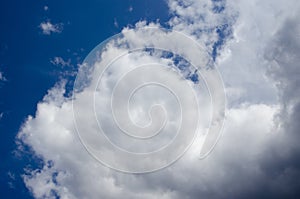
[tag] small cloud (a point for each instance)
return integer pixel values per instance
(48, 28)
(11, 176)
(116, 24)
(59, 61)
(46, 8)
(12, 179)
(130, 9)
(2, 78)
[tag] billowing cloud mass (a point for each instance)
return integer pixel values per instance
(256, 46)
(48, 28)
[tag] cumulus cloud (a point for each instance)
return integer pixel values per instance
(48, 28)
(256, 46)
(75, 173)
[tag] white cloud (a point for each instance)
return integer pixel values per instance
(48, 28)
(257, 155)
(81, 176)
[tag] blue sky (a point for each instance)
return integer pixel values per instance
(252, 45)
(25, 55)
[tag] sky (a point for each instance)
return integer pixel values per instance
(150, 99)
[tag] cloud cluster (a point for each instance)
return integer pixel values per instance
(258, 154)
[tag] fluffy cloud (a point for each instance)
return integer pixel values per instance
(72, 173)
(258, 154)
(48, 28)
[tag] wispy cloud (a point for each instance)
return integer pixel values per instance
(2, 77)
(59, 61)
(116, 24)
